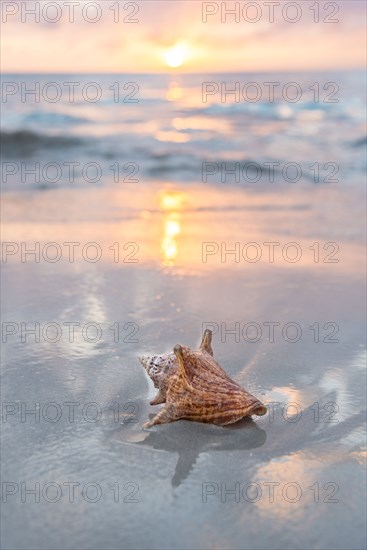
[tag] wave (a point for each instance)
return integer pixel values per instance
(26, 142)
(361, 142)
(48, 118)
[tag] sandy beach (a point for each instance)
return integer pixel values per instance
(291, 332)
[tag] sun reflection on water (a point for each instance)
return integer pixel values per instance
(174, 92)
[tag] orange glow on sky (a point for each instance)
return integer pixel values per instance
(183, 35)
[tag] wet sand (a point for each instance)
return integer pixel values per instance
(175, 480)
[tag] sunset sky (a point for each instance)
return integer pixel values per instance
(171, 36)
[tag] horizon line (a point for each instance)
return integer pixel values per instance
(171, 73)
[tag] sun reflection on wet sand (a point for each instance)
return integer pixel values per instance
(193, 230)
(171, 202)
(291, 478)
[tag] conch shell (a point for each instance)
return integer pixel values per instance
(194, 387)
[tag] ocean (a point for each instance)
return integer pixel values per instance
(294, 127)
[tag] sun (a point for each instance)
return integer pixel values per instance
(176, 56)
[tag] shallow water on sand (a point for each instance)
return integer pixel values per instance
(290, 479)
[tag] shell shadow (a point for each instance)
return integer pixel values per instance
(190, 439)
